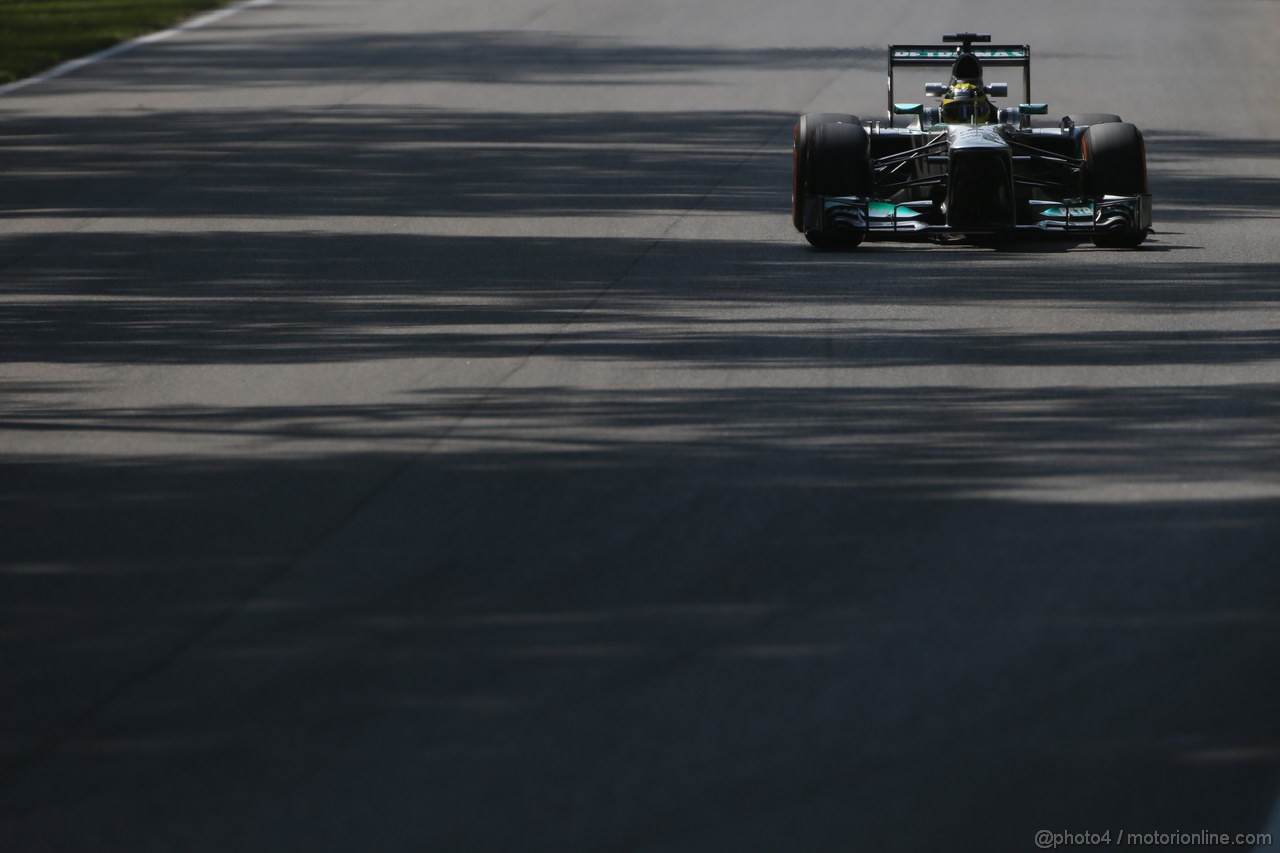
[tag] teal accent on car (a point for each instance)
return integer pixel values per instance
(1074, 212)
(883, 210)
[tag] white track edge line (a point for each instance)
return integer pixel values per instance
(151, 38)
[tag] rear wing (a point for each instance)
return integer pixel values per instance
(944, 56)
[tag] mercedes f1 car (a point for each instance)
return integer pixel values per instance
(965, 169)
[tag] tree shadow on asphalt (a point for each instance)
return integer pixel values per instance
(361, 161)
(237, 298)
(782, 670)
(507, 58)
(1198, 177)
(725, 677)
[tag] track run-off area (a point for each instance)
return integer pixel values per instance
(423, 430)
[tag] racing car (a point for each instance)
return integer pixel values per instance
(965, 169)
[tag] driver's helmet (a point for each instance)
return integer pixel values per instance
(965, 103)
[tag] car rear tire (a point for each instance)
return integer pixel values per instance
(839, 164)
(802, 143)
(1115, 163)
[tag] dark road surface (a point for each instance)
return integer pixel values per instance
(422, 430)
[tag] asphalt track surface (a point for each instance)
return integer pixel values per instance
(423, 431)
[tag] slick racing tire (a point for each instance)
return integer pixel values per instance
(802, 142)
(838, 163)
(1115, 163)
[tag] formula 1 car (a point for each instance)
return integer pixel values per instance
(966, 170)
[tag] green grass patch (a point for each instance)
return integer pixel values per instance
(39, 34)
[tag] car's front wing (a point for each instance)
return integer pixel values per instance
(916, 220)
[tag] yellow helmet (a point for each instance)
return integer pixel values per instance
(965, 103)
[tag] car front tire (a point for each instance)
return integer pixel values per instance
(1115, 163)
(839, 164)
(802, 144)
